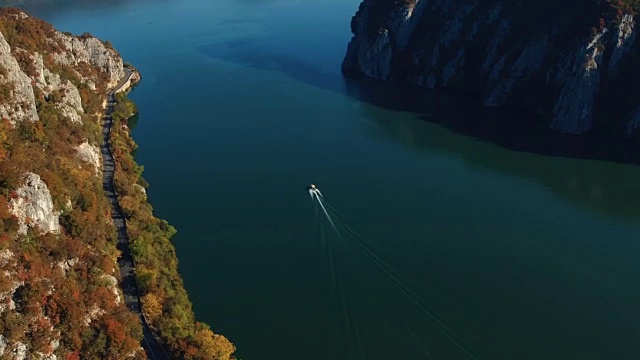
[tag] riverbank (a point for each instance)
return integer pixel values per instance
(153, 287)
(128, 285)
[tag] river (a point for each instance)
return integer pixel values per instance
(467, 247)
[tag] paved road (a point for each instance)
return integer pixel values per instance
(128, 284)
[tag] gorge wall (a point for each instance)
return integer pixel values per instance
(570, 63)
(59, 293)
(59, 297)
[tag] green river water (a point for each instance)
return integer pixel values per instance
(471, 250)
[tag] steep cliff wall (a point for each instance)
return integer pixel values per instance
(571, 63)
(45, 63)
(58, 292)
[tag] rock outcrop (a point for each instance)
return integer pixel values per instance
(33, 206)
(90, 154)
(15, 85)
(64, 266)
(90, 50)
(565, 63)
(7, 261)
(112, 285)
(25, 81)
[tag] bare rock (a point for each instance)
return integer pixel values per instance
(34, 206)
(17, 87)
(90, 154)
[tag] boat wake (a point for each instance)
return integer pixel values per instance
(344, 232)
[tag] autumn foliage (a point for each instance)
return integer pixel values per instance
(57, 280)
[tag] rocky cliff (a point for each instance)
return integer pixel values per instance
(59, 294)
(569, 63)
(59, 297)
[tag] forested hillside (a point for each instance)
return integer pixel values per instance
(59, 294)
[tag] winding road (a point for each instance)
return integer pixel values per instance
(128, 284)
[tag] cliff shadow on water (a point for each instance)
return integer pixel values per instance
(599, 186)
(464, 114)
(510, 128)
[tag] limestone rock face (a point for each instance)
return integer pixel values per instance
(573, 111)
(3, 344)
(92, 51)
(19, 81)
(69, 102)
(7, 262)
(19, 351)
(33, 206)
(579, 75)
(17, 102)
(90, 154)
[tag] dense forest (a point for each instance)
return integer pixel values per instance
(58, 286)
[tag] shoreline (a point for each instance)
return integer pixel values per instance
(126, 265)
(150, 280)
